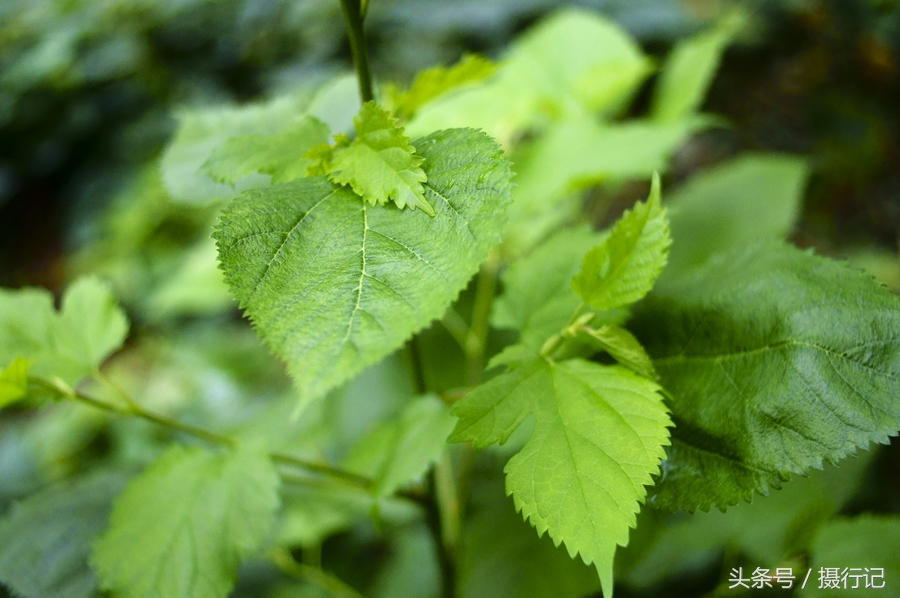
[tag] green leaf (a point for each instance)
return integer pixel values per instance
(776, 361)
(623, 268)
(765, 532)
(435, 82)
(334, 285)
(318, 508)
(502, 557)
(279, 154)
(689, 70)
(183, 526)
(753, 197)
(621, 346)
(537, 296)
(572, 62)
(196, 287)
(598, 438)
(68, 344)
(380, 164)
(858, 545)
(401, 450)
(14, 382)
(575, 153)
(45, 541)
(577, 57)
(200, 132)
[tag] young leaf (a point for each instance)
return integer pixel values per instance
(435, 82)
(14, 382)
(750, 198)
(278, 154)
(537, 294)
(401, 450)
(621, 346)
(68, 344)
(380, 164)
(45, 541)
(689, 71)
(864, 547)
(623, 268)
(335, 285)
(183, 526)
(598, 438)
(776, 361)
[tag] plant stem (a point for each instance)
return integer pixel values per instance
(434, 517)
(135, 409)
(481, 311)
(353, 17)
(288, 565)
(442, 503)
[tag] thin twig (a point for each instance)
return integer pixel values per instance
(289, 566)
(135, 409)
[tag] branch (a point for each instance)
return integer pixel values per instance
(135, 409)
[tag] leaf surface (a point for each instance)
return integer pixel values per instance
(689, 70)
(623, 268)
(572, 62)
(280, 155)
(537, 296)
(573, 154)
(14, 382)
(623, 347)
(380, 164)
(736, 203)
(46, 539)
(777, 361)
(183, 526)
(334, 284)
(68, 344)
(200, 132)
(402, 449)
(770, 530)
(503, 558)
(858, 546)
(598, 438)
(435, 82)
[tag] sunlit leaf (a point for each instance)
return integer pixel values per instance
(598, 437)
(624, 266)
(334, 284)
(68, 344)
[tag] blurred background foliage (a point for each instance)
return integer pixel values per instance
(90, 93)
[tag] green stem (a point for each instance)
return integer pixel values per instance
(289, 566)
(456, 327)
(135, 409)
(435, 517)
(442, 503)
(353, 17)
(481, 311)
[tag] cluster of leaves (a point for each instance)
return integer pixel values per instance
(687, 357)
